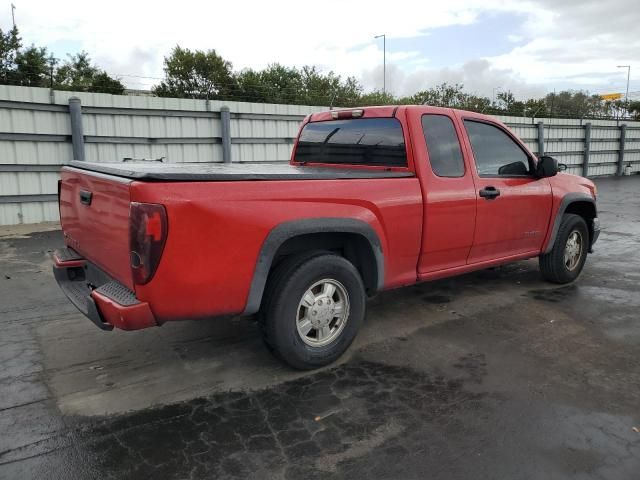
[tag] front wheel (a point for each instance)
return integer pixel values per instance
(314, 306)
(566, 259)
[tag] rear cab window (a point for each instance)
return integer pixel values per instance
(362, 141)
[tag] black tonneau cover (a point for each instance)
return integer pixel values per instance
(202, 172)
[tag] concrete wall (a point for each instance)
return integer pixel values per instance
(35, 139)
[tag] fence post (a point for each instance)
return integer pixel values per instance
(77, 136)
(540, 139)
(623, 135)
(587, 149)
(225, 122)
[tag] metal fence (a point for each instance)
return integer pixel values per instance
(41, 129)
(588, 147)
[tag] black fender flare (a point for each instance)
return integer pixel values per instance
(287, 230)
(567, 200)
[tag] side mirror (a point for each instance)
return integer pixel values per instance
(515, 168)
(546, 167)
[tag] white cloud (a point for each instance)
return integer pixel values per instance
(571, 42)
(135, 35)
(578, 43)
(477, 76)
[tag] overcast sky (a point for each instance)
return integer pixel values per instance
(529, 47)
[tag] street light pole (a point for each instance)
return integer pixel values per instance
(626, 95)
(384, 62)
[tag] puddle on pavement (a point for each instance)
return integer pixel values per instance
(361, 415)
(553, 295)
(614, 311)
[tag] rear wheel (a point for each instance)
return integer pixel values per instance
(314, 305)
(566, 259)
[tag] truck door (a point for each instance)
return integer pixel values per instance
(513, 206)
(447, 189)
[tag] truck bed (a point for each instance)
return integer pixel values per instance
(226, 172)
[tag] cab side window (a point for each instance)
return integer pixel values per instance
(443, 146)
(495, 152)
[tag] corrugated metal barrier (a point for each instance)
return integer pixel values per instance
(36, 128)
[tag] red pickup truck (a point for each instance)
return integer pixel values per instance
(373, 198)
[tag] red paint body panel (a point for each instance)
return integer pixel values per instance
(429, 227)
(210, 263)
(99, 231)
(133, 317)
(448, 201)
(563, 184)
(61, 263)
(517, 221)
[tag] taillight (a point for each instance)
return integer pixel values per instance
(147, 236)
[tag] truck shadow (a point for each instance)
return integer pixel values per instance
(95, 373)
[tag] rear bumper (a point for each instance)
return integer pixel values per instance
(105, 301)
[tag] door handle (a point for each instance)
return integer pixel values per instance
(489, 193)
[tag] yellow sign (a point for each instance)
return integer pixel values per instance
(611, 96)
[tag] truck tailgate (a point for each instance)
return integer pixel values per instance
(94, 213)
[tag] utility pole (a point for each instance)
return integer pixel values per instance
(384, 62)
(13, 15)
(626, 95)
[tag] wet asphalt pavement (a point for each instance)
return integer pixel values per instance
(494, 374)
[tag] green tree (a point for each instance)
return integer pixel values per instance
(10, 43)
(282, 84)
(634, 109)
(328, 89)
(476, 103)
(250, 87)
(376, 97)
(103, 82)
(348, 93)
(570, 103)
(196, 74)
(536, 108)
(306, 86)
(507, 102)
(33, 67)
(78, 73)
(443, 95)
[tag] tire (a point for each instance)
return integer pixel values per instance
(286, 313)
(554, 265)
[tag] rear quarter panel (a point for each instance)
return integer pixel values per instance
(216, 231)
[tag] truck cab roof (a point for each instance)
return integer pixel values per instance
(385, 111)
